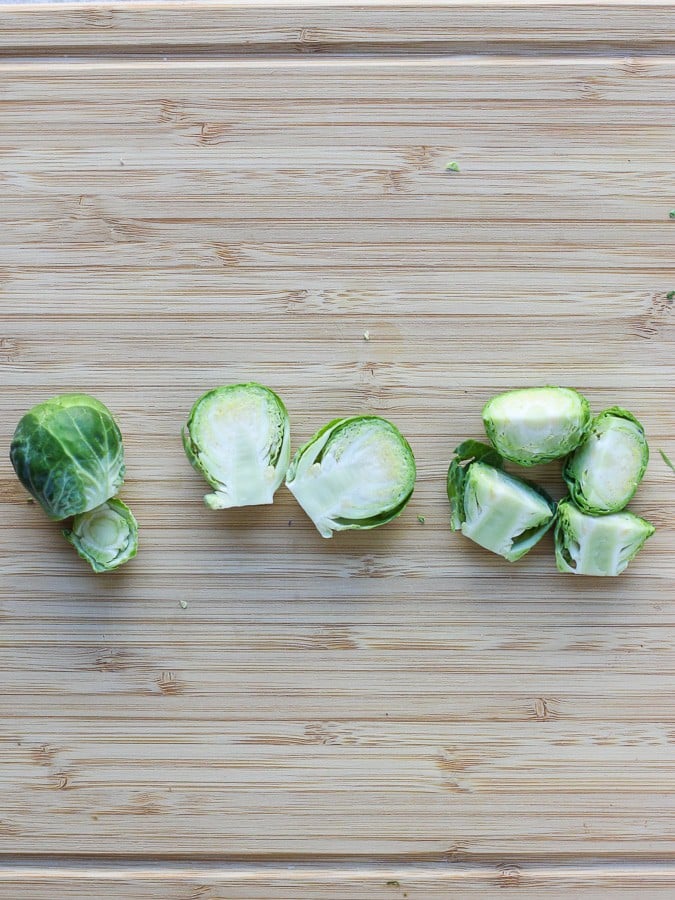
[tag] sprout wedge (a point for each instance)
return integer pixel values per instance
(603, 474)
(597, 545)
(496, 510)
(354, 473)
(67, 452)
(534, 425)
(106, 536)
(238, 438)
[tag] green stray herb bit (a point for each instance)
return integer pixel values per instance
(393, 884)
(421, 520)
(671, 214)
(453, 166)
(670, 295)
(667, 460)
(366, 335)
(183, 604)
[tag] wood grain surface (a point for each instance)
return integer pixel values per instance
(395, 713)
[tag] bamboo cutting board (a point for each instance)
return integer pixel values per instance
(202, 193)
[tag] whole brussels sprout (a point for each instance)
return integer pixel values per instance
(67, 452)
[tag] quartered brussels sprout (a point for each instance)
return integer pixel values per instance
(358, 472)
(597, 545)
(67, 452)
(106, 536)
(604, 472)
(499, 512)
(238, 438)
(534, 425)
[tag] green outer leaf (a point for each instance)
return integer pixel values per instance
(74, 535)
(574, 485)
(468, 451)
(602, 537)
(667, 460)
(456, 484)
(478, 451)
(68, 453)
(193, 450)
(531, 456)
(313, 451)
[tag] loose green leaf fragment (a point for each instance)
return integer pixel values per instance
(238, 438)
(534, 425)
(671, 214)
(597, 545)
(452, 166)
(667, 459)
(354, 473)
(604, 472)
(106, 536)
(497, 511)
(421, 520)
(67, 452)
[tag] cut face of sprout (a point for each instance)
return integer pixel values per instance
(534, 425)
(604, 472)
(597, 545)
(238, 438)
(497, 511)
(355, 473)
(106, 536)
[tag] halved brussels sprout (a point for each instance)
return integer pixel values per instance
(604, 472)
(355, 473)
(534, 425)
(497, 511)
(597, 545)
(67, 452)
(106, 536)
(238, 438)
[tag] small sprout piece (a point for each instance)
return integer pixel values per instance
(534, 425)
(497, 511)
(604, 472)
(183, 604)
(366, 335)
(667, 459)
(238, 438)
(106, 536)
(67, 452)
(421, 520)
(452, 166)
(597, 545)
(355, 473)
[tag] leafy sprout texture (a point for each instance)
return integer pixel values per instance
(354, 473)
(67, 452)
